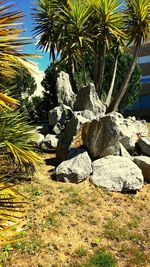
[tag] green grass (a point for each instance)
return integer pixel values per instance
(51, 220)
(31, 247)
(80, 252)
(115, 232)
(101, 259)
(139, 258)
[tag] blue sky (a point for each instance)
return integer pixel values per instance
(26, 7)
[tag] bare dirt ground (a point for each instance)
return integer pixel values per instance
(67, 223)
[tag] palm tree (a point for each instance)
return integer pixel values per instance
(61, 27)
(76, 36)
(10, 44)
(15, 133)
(46, 27)
(137, 25)
(108, 27)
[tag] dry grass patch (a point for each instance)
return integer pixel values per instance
(68, 223)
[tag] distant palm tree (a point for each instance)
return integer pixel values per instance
(137, 28)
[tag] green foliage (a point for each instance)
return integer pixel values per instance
(15, 141)
(49, 84)
(73, 27)
(15, 134)
(21, 85)
(132, 93)
(134, 85)
(101, 259)
(37, 108)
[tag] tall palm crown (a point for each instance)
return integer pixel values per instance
(76, 36)
(46, 26)
(137, 20)
(109, 19)
(10, 42)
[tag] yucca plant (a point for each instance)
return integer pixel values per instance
(15, 133)
(16, 136)
(74, 21)
(137, 28)
(12, 210)
(107, 25)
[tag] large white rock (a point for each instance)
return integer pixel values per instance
(75, 170)
(87, 99)
(100, 137)
(129, 130)
(65, 95)
(143, 163)
(103, 137)
(117, 173)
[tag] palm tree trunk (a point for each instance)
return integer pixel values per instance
(83, 67)
(116, 101)
(101, 73)
(71, 72)
(53, 53)
(96, 67)
(109, 96)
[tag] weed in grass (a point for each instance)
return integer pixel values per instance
(63, 211)
(139, 258)
(98, 241)
(116, 213)
(51, 220)
(101, 259)
(133, 223)
(30, 247)
(80, 252)
(114, 232)
(77, 200)
(70, 190)
(137, 238)
(36, 192)
(28, 226)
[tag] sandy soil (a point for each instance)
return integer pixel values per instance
(67, 223)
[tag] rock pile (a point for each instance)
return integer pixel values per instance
(110, 149)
